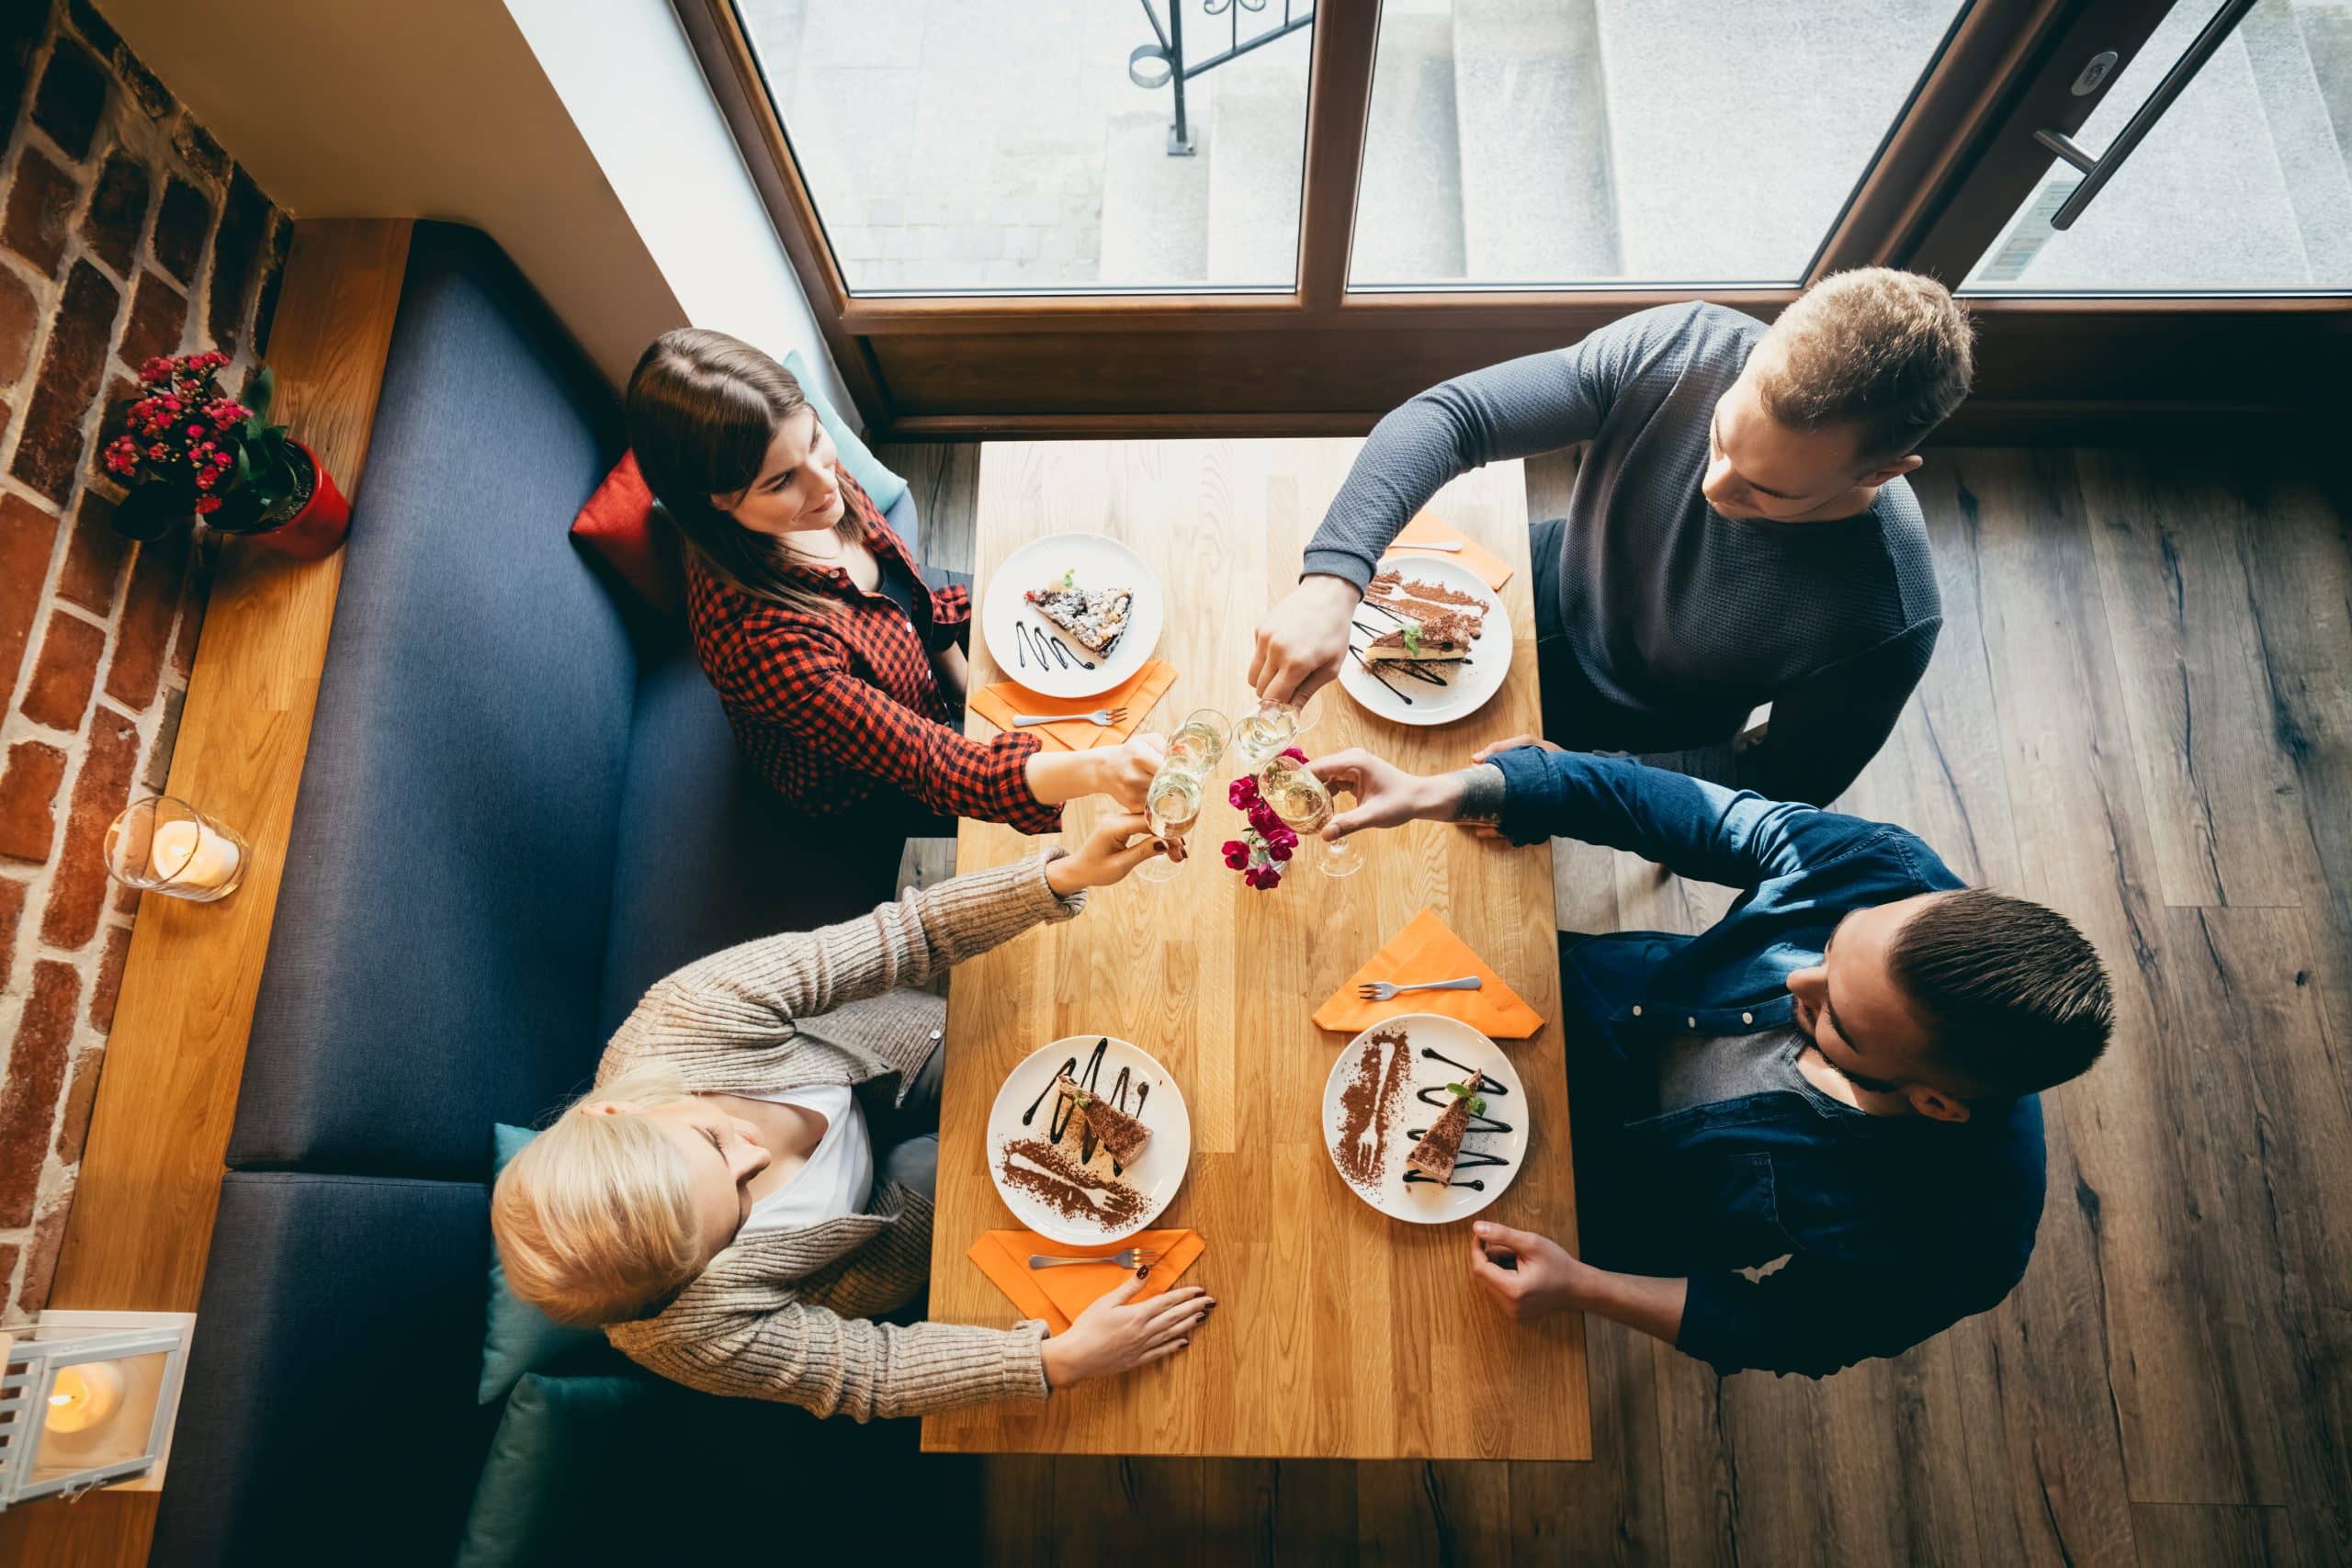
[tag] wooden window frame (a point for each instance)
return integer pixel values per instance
(1952, 168)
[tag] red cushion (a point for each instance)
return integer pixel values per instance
(619, 524)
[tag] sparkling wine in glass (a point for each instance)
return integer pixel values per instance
(1261, 736)
(1172, 804)
(1302, 803)
(1199, 742)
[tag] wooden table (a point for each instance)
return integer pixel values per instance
(1339, 1333)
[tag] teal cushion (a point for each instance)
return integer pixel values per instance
(520, 1337)
(562, 1451)
(877, 482)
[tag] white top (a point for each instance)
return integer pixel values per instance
(839, 1177)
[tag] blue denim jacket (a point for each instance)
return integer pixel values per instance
(1895, 1227)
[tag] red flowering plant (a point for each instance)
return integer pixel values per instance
(186, 449)
(1268, 842)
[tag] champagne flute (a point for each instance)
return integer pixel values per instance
(1199, 742)
(1302, 803)
(1172, 804)
(1261, 736)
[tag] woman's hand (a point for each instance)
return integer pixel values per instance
(1118, 1334)
(1104, 856)
(1123, 772)
(1385, 793)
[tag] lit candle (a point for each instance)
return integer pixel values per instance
(82, 1396)
(203, 858)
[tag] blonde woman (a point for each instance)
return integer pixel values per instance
(716, 1202)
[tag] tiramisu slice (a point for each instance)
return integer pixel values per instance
(1441, 639)
(1434, 1155)
(1112, 1128)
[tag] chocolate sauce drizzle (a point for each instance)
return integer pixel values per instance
(1423, 671)
(1058, 1123)
(1046, 643)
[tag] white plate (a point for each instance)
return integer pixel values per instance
(1100, 562)
(1423, 1202)
(1471, 683)
(1028, 1104)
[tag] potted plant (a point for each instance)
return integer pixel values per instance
(187, 450)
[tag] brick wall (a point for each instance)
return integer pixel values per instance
(126, 232)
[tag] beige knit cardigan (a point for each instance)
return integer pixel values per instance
(787, 1314)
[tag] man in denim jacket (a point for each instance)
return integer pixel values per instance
(1810, 1133)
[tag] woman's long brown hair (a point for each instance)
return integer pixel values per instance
(702, 409)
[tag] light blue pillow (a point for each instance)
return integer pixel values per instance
(879, 482)
(520, 1337)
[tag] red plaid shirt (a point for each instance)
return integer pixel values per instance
(835, 708)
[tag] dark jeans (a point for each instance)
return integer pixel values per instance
(906, 1136)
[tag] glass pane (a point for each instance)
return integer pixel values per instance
(2240, 185)
(960, 145)
(1567, 141)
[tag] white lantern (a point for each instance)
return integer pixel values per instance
(87, 1399)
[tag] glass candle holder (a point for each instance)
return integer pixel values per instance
(163, 845)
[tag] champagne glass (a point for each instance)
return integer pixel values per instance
(1199, 742)
(1261, 736)
(1302, 803)
(1171, 803)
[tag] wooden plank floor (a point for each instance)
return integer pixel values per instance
(2140, 712)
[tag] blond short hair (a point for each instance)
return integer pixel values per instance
(1891, 353)
(594, 1218)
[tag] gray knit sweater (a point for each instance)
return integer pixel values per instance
(1666, 621)
(785, 1315)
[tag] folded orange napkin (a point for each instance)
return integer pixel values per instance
(1427, 950)
(1430, 529)
(1057, 1296)
(1138, 693)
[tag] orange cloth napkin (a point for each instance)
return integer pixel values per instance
(1138, 693)
(1057, 1296)
(1427, 950)
(1430, 529)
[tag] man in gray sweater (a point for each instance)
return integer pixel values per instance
(1740, 532)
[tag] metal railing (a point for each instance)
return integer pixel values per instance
(1162, 64)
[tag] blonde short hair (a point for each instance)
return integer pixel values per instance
(594, 1218)
(1891, 353)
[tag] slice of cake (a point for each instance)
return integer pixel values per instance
(1415, 599)
(1094, 616)
(1440, 639)
(1112, 1128)
(1434, 1155)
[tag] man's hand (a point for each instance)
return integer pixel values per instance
(1385, 793)
(1489, 752)
(1302, 639)
(1529, 1276)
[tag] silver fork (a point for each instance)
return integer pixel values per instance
(1381, 990)
(1102, 718)
(1133, 1258)
(1454, 548)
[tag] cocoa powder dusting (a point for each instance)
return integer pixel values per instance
(1061, 1182)
(1368, 1106)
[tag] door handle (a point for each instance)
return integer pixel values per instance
(2096, 171)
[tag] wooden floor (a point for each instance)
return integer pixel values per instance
(2141, 713)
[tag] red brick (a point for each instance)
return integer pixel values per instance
(49, 451)
(109, 990)
(36, 1078)
(41, 210)
(94, 559)
(183, 223)
(29, 787)
(28, 535)
(236, 248)
(63, 675)
(12, 910)
(205, 155)
(167, 736)
(81, 1089)
(20, 28)
(41, 1268)
(73, 95)
(281, 240)
(20, 321)
(158, 314)
(157, 579)
(118, 213)
(77, 890)
(184, 643)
